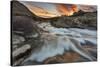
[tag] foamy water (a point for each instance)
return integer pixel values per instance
(81, 35)
(60, 39)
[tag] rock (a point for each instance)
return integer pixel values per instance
(25, 33)
(86, 20)
(26, 25)
(20, 53)
(21, 50)
(19, 9)
(17, 39)
(65, 58)
(16, 63)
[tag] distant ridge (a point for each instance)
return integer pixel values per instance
(19, 9)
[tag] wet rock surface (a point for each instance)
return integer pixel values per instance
(25, 33)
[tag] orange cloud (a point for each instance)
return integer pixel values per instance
(65, 10)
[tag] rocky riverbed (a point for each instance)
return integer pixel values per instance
(54, 40)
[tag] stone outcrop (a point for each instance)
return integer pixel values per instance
(78, 20)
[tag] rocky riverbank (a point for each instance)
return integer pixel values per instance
(37, 40)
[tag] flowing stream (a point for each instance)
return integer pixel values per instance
(57, 40)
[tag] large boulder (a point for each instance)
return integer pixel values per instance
(25, 26)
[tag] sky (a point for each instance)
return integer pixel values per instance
(56, 9)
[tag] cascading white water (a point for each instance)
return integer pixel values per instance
(57, 40)
(79, 34)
